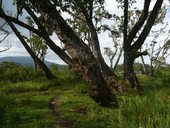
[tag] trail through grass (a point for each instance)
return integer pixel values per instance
(26, 105)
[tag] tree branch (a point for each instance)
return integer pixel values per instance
(1, 29)
(91, 9)
(140, 22)
(148, 25)
(83, 9)
(125, 25)
(144, 53)
(5, 37)
(48, 41)
(42, 34)
(6, 49)
(16, 21)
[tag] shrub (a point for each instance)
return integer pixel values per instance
(5, 65)
(20, 74)
(163, 75)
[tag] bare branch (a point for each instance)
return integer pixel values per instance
(6, 49)
(5, 37)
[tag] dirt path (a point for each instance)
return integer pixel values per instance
(62, 122)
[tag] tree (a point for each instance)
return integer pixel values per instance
(82, 59)
(38, 47)
(116, 35)
(37, 44)
(132, 46)
(47, 72)
(158, 56)
(87, 20)
(112, 55)
(149, 46)
(88, 62)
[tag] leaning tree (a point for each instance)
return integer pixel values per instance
(87, 61)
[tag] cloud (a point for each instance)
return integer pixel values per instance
(52, 57)
(17, 48)
(14, 52)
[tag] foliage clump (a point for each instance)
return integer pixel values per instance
(14, 72)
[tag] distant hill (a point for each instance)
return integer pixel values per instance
(27, 61)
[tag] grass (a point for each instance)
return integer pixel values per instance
(24, 104)
(145, 112)
(151, 110)
(85, 112)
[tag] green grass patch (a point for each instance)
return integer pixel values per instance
(29, 108)
(27, 86)
(152, 110)
(145, 112)
(24, 103)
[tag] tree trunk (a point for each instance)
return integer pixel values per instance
(35, 64)
(129, 74)
(117, 61)
(95, 40)
(96, 50)
(87, 66)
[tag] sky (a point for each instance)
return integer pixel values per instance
(18, 50)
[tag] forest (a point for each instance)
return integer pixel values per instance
(121, 85)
